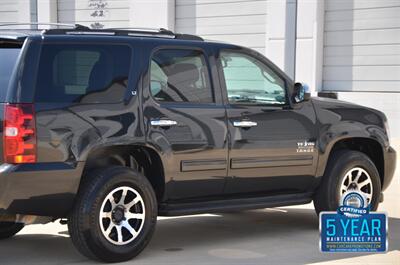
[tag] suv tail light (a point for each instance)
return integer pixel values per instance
(19, 134)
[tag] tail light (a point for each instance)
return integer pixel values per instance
(19, 145)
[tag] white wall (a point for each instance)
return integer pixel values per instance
(362, 45)
(280, 35)
(309, 43)
(152, 13)
(47, 11)
(242, 22)
(8, 12)
(17, 11)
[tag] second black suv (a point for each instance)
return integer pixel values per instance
(107, 129)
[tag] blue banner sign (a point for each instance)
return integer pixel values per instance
(364, 233)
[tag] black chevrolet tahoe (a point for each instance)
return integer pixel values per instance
(108, 129)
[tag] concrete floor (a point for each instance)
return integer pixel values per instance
(287, 235)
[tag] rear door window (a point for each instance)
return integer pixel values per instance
(83, 73)
(180, 76)
(8, 60)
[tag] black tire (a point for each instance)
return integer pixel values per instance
(84, 225)
(9, 229)
(328, 194)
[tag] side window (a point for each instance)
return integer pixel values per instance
(180, 76)
(249, 81)
(83, 73)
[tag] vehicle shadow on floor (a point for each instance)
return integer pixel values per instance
(257, 237)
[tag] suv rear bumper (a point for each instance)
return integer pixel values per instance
(390, 167)
(44, 189)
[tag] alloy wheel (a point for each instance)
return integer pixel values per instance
(122, 215)
(358, 179)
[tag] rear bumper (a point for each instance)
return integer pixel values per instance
(44, 189)
(390, 167)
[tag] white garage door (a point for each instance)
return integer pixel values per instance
(8, 11)
(362, 45)
(242, 22)
(95, 13)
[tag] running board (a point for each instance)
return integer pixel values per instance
(217, 206)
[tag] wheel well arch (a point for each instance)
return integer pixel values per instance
(370, 147)
(141, 158)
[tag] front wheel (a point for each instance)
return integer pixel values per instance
(348, 170)
(9, 229)
(114, 216)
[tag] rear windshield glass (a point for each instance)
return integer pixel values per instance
(83, 73)
(8, 59)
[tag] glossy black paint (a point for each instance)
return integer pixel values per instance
(200, 137)
(204, 157)
(265, 158)
(338, 121)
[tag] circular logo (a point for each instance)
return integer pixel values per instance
(353, 203)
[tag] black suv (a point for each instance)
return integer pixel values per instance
(107, 129)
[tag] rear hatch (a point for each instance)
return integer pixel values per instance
(10, 50)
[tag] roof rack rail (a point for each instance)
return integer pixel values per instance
(140, 29)
(73, 26)
(140, 32)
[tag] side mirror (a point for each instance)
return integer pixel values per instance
(301, 93)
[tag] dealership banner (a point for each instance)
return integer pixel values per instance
(353, 228)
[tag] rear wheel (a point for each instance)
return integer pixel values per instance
(9, 229)
(348, 170)
(114, 216)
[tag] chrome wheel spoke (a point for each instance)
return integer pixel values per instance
(368, 196)
(130, 229)
(106, 215)
(130, 216)
(358, 176)
(120, 238)
(364, 183)
(122, 199)
(132, 203)
(110, 227)
(111, 200)
(348, 177)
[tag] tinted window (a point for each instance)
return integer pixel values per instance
(8, 59)
(83, 73)
(180, 76)
(250, 81)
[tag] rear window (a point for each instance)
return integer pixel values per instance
(83, 73)
(8, 59)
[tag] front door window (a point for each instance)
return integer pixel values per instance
(249, 81)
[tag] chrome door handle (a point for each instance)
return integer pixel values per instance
(163, 123)
(245, 124)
